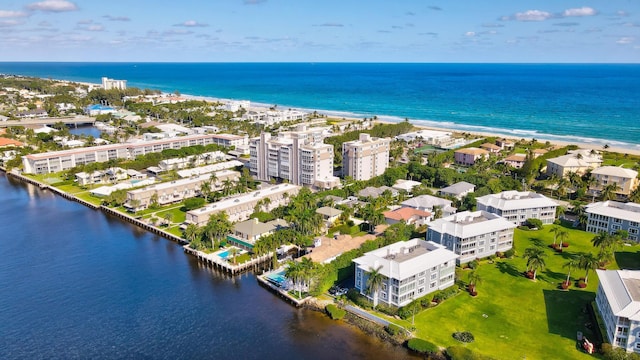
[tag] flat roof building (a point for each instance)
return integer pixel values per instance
(410, 269)
(365, 158)
(518, 206)
(610, 216)
(618, 301)
(472, 235)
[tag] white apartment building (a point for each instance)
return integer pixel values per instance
(240, 207)
(175, 191)
(518, 206)
(618, 301)
(625, 179)
(609, 216)
(365, 158)
(55, 161)
(272, 117)
(109, 84)
(298, 156)
(411, 269)
(472, 235)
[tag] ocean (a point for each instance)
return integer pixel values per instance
(76, 283)
(586, 103)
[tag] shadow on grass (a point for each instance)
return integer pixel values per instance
(628, 260)
(507, 268)
(566, 312)
(537, 242)
(565, 254)
(551, 276)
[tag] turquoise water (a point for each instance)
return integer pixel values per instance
(277, 277)
(595, 103)
(224, 255)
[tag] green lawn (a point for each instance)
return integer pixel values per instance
(513, 317)
(179, 216)
(89, 198)
(175, 230)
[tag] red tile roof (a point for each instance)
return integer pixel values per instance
(405, 213)
(9, 142)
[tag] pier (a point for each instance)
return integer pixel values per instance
(216, 262)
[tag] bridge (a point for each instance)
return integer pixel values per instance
(71, 120)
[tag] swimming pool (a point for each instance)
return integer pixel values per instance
(277, 278)
(224, 255)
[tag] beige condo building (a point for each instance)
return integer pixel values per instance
(299, 157)
(366, 157)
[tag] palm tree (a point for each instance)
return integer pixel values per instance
(474, 279)
(563, 235)
(168, 217)
(374, 283)
(634, 196)
(603, 240)
(587, 262)
(205, 190)
(535, 260)
(437, 212)
(294, 272)
(560, 211)
(233, 251)
(609, 192)
(572, 263)
(191, 232)
(555, 230)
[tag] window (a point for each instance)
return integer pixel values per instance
(432, 285)
(434, 276)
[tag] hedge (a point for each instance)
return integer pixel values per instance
(393, 329)
(334, 312)
(422, 346)
(462, 353)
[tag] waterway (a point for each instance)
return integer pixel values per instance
(78, 284)
(85, 130)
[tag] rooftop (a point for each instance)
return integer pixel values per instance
(622, 290)
(615, 209)
(515, 200)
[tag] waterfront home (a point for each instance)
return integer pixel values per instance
(366, 157)
(491, 148)
(472, 235)
(406, 185)
(240, 207)
(246, 233)
(469, 156)
(458, 190)
(430, 203)
(55, 161)
(109, 84)
(610, 216)
(518, 206)
(625, 179)
(329, 215)
(516, 160)
(409, 215)
(577, 161)
(410, 269)
(174, 191)
(538, 152)
(103, 191)
(618, 302)
(208, 169)
(429, 137)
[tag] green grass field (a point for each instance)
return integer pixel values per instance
(514, 317)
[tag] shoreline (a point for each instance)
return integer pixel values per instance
(441, 125)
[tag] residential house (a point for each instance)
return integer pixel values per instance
(409, 215)
(469, 156)
(97, 109)
(430, 203)
(472, 235)
(625, 179)
(375, 192)
(406, 185)
(610, 216)
(246, 233)
(410, 269)
(516, 160)
(618, 302)
(329, 215)
(518, 206)
(505, 144)
(491, 148)
(458, 190)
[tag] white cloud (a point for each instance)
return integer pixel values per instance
(12, 14)
(583, 11)
(622, 13)
(625, 40)
(53, 6)
(470, 34)
(116, 18)
(12, 22)
(191, 23)
(533, 15)
(95, 28)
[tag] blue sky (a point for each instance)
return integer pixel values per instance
(321, 30)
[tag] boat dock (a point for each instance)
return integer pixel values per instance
(217, 262)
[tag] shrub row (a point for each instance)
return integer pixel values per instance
(422, 346)
(463, 336)
(424, 302)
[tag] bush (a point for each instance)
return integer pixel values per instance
(334, 312)
(393, 329)
(462, 353)
(463, 336)
(524, 228)
(611, 353)
(534, 223)
(510, 253)
(582, 284)
(473, 264)
(422, 346)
